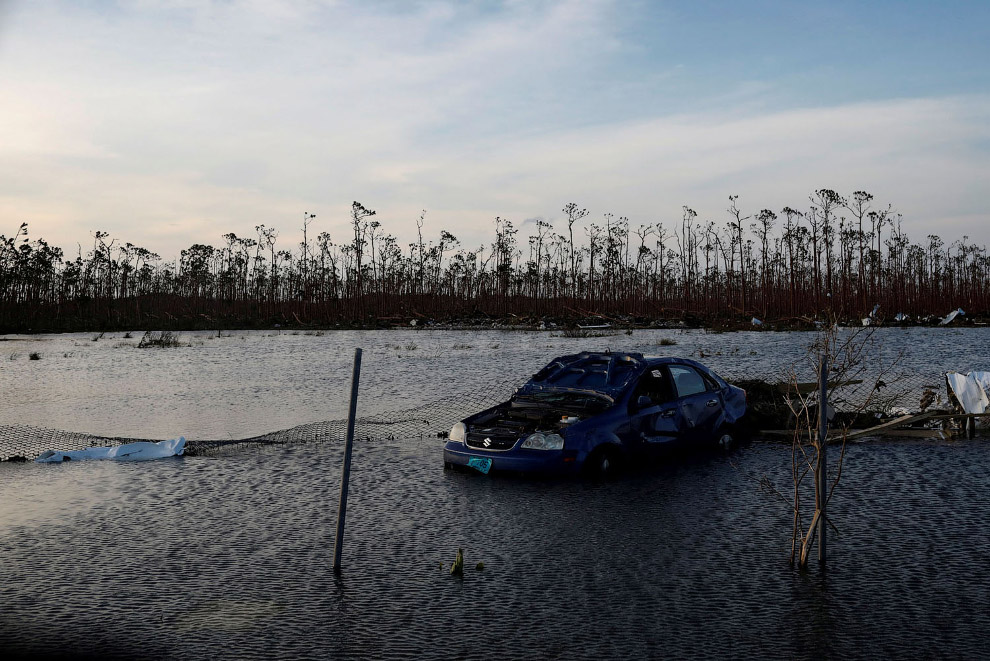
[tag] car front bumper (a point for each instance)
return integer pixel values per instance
(565, 461)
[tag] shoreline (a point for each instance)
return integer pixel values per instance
(571, 326)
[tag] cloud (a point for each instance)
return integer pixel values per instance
(171, 123)
(919, 155)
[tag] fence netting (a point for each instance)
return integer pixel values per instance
(430, 420)
(890, 393)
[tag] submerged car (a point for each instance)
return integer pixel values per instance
(597, 412)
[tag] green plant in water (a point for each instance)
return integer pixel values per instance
(457, 569)
(158, 339)
(584, 332)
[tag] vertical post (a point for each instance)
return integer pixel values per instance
(346, 473)
(821, 473)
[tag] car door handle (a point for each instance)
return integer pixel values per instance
(669, 413)
(712, 402)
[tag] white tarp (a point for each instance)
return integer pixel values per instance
(870, 318)
(138, 451)
(951, 317)
(983, 378)
(968, 391)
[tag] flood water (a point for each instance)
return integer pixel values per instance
(229, 556)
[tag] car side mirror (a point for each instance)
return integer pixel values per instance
(643, 402)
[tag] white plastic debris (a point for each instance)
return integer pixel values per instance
(869, 319)
(968, 391)
(137, 451)
(983, 378)
(900, 317)
(756, 322)
(951, 317)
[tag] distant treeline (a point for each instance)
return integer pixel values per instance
(838, 255)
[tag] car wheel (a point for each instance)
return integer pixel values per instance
(603, 463)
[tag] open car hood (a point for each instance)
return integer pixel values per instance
(605, 374)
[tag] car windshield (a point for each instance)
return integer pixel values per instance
(570, 401)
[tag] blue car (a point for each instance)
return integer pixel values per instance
(597, 412)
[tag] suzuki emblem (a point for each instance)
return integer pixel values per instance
(487, 442)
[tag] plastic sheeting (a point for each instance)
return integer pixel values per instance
(983, 378)
(949, 318)
(969, 391)
(138, 451)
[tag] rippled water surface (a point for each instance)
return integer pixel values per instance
(229, 557)
(251, 382)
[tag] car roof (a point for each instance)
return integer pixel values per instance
(604, 373)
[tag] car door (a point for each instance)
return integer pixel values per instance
(699, 402)
(655, 419)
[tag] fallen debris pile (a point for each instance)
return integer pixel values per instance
(942, 411)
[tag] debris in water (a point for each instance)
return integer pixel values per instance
(137, 451)
(968, 389)
(870, 318)
(951, 317)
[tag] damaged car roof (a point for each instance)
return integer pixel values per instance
(602, 373)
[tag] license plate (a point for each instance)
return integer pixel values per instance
(482, 464)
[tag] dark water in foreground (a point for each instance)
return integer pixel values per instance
(230, 558)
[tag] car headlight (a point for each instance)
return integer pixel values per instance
(458, 432)
(540, 441)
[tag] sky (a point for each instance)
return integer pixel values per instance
(170, 123)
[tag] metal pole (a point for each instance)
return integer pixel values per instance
(346, 473)
(821, 479)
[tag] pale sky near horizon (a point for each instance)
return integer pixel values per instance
(169, 123)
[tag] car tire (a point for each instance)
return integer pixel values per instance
(603, 463)
(726, 437)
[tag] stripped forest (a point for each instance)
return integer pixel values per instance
(837, 255)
